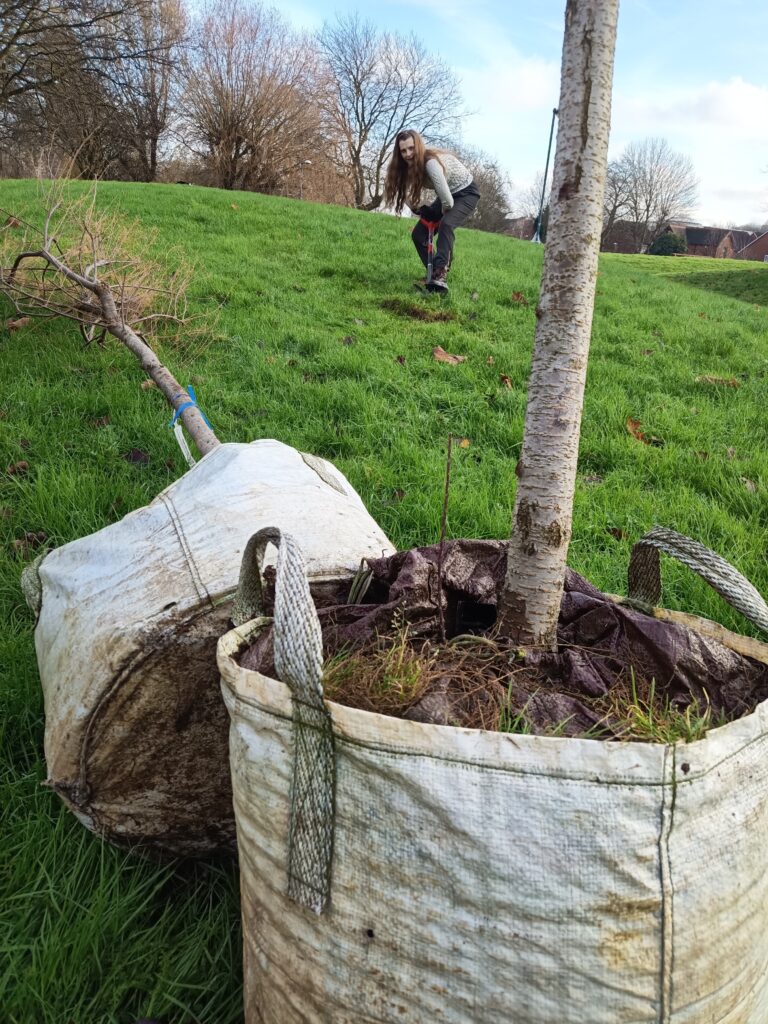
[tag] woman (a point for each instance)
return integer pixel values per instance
(414, 170)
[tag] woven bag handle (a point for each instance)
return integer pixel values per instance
(298, 642)
(644, 575)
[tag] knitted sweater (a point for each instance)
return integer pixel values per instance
(455, 177)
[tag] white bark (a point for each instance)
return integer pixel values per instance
(538, 548)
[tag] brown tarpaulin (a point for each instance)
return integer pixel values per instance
(599, 641)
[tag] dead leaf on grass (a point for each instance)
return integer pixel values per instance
(397, 495)
(616, 532)
(464, 442)
(731, 453)
(505, 380)
(136, 455)
(357, 320)
(702, 455)
(234, 206)
(18, 468)
(147, 384)
(401, 360)
(348, 339)
(519, 299)
(633, 426)
(647, 351)
(439, 353)
(12, 222)
(29, 542)
(100, 421)
(16, 325)
(489, 361)
(750, 485)
(729, 382)
(474, 296)
(592, 478)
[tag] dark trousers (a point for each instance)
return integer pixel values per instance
(464, 203)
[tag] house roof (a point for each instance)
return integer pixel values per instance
(750, 244)
(741, 238)
(704, 236)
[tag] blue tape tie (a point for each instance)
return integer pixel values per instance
(188, 405)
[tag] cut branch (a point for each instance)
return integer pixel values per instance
(44, 283)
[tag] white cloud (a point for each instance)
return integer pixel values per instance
(511, 99)
(736, 108)
(721, 127)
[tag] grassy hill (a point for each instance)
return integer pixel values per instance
(322, 342)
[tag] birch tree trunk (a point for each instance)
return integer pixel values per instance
(541, 531)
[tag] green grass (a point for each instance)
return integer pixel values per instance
(315, 346)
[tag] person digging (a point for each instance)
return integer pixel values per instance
(440, 190)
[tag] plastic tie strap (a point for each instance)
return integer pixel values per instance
(188, 405)
(176, 424)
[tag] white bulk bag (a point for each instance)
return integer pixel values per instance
(136, 732)
(470, 877)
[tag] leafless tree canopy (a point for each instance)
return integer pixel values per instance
(91, 77)
(494, 207)
(375, 85)
(246, 105)
(648, 185)
(223, 94)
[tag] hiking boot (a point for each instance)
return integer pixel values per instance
(439, 282)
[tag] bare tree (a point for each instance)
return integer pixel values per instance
(527, 201)
(376, 84)
(42, 41)
(530, 601)
(495, 187)
(648, 185)
(247, 107)
(90, 268)
(617, 193)
(142, 81)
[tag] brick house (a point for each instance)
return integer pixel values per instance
(757, 249)
(520, 227)
(733, 242)
(620, 238)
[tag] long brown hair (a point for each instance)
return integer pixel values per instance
(405, 181)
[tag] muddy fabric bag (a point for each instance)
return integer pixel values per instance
(397, 871)
(136, 732)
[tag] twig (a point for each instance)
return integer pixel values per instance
(443, 520)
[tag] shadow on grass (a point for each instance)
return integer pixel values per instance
(747, 284)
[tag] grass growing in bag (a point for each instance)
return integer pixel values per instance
(618, 673)
(481, 682)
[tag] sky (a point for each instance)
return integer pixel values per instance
(694, 72)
